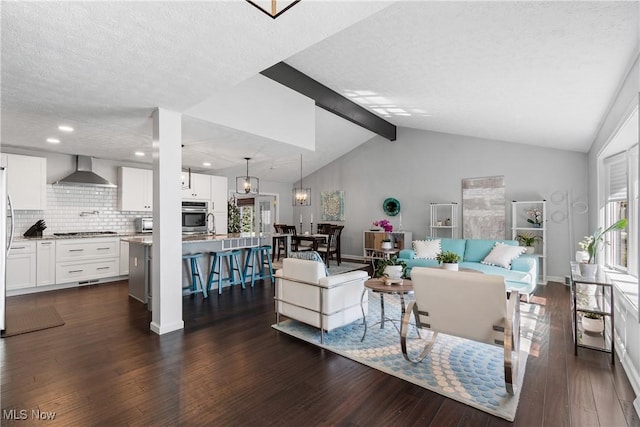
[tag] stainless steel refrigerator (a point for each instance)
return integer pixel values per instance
(6, 238)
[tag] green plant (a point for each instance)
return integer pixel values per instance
(590, 243)
(234, 216)
(382, 263)
(590, 315)
(448, 257)
(528, 239)
(385, 240)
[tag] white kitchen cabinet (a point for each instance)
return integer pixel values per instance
(135, 189)
(124, 258)
(219, 191)
(200, 188)
(21, 265)
(221, 222)
(85, 260)
(45, 262)
(26, 181)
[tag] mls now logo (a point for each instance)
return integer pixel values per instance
(15, 414)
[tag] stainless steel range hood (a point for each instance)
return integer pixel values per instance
(84, 175)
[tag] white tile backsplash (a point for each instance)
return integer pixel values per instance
(65, 205)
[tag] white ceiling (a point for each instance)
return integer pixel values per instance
(539, 73)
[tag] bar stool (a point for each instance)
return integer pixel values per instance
(233, 264)
(196, 272)
(258, 258)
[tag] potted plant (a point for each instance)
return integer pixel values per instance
(393, 268)
(592, 323)
(528, 240)
(386, 244)
(591, 245)
(449, 260)
(535, 217)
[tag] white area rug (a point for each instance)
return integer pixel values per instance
(463, 370)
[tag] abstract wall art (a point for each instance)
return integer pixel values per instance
(483, 208)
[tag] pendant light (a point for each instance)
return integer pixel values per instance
(272, 8)
(301, 196)
(247, 184)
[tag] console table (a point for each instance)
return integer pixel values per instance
(592, 295)
(372, 240)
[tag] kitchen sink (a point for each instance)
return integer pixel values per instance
(86, 233)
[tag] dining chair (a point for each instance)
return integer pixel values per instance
(324, 228)
(333, 245)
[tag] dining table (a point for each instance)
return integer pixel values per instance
(315, 239)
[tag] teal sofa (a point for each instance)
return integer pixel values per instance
(522, 277)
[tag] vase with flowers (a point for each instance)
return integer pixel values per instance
(591, 245)
(385, 224)
(535, 217)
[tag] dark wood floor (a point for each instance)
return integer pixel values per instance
(228, 367)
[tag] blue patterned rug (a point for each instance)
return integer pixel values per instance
(463, 370)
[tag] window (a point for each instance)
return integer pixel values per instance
(616, 253)
(618, 184)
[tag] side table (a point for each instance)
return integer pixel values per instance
(378, 286)
(592, 295)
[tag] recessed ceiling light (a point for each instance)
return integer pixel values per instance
(139, 153)
(65, 128)
(53, 140)
(206, 164)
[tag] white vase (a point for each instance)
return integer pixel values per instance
(393, 271)
(529, 250)
(594, 326)
(582, 256)
(386, 245)
(450, 266)
(588, 270)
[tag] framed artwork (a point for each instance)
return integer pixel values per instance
(332, 205)
(483, 208)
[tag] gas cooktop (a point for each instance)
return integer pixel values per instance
(85, 233)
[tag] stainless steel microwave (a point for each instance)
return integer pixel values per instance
(144, 224)
(194, 217)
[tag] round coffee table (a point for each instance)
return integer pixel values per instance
(377, 285)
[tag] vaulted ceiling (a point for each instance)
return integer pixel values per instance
(539, 73)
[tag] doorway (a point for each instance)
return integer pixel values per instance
(257, 213)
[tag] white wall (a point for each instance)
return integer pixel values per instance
(423, 167)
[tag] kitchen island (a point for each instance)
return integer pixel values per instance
(140, 257)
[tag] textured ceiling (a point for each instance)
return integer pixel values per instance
(102, 67)
(539, 73)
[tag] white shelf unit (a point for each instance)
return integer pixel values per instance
(520, 225)
(444, 220)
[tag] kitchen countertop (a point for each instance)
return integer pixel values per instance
(194, 238)
(79, 236)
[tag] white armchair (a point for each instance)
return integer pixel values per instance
(469, 305)
(305, 293)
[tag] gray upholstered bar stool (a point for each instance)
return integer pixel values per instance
(196, 272)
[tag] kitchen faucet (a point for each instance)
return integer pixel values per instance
(213, 223)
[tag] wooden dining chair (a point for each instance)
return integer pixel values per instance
(324, 228)
(333, 245)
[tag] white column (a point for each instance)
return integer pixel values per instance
(166, 253)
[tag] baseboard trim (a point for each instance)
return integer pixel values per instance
(165, 329)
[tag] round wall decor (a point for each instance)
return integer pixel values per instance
(391, 206)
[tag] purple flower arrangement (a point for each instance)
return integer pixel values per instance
(385, 224)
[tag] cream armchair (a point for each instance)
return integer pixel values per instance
(305, 293)
(469, 305)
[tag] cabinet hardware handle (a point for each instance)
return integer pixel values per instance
(102, 249)
(103, 268)
(76, 271)
(76, 250)
(18, 247)
(45, 243)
